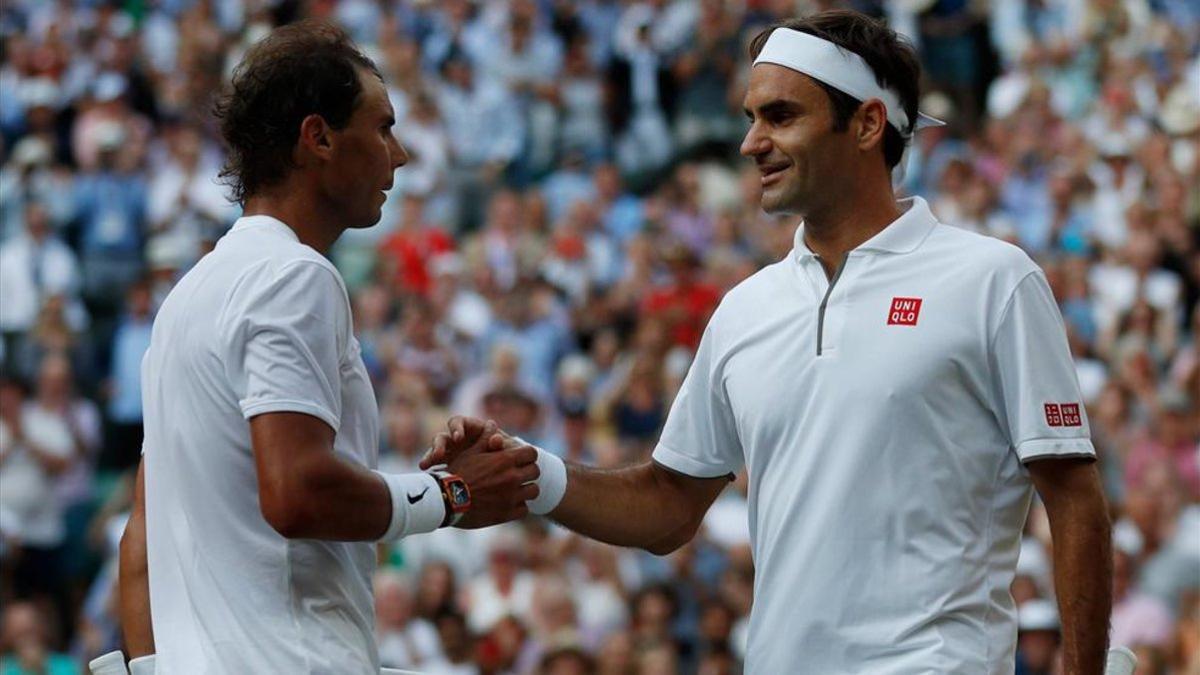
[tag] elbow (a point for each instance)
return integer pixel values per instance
(674, 540)
(664, 547)
(285, 515)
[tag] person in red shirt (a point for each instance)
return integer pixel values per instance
(686, 301)
(407, 253)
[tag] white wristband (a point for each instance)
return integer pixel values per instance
(142, 665)
(112, 663)
(417, 505)
(552, 483)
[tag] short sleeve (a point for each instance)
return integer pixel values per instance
(700, 437)
(1038, 399)
(288, 335)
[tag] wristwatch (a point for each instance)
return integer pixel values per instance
(455, 495)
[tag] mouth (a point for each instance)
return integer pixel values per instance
(771, 172)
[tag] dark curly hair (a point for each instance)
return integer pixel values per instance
(887, 53)
(305, 68)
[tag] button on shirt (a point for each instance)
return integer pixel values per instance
(885, 437)
(261, 324)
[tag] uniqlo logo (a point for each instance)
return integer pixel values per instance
(904, 312)
(1063, 415)
(1070, 414)
(1054, 416)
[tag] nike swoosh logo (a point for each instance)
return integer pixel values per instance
(417, 498)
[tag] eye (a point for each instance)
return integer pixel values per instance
(780, 118)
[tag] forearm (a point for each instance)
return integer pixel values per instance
(133, 581)
(306, 490)
(1082, 539)
(333, 499)
(641, 506)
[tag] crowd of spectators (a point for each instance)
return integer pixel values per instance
(573, 211)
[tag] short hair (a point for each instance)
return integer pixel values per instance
(890, 56)
(306, 68)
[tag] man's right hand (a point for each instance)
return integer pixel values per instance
(461, 434)
(500, 478)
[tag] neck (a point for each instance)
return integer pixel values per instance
(298, 207)
(832, 233)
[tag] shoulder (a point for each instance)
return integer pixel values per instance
(269, 260)
(979, 258)
(995, 254)
(753, 297)
(274, 277)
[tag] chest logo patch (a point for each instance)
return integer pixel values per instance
(904, 312)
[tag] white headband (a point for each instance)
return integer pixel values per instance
(839, 68)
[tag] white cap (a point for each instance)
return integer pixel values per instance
(110, 134)
(39, 92)
(1037, 614)
(1179, 114)
(31, 151)
(109, 86)
(1127, 538)
(576, 368)
(1032, 560)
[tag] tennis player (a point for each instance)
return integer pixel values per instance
(254, 536)
(897, 389)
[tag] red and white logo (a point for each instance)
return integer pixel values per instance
(1054, 415)
(904, 312)
(1071, 416)
(1063, 415)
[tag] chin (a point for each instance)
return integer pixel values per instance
(366, 220)
(778, 205)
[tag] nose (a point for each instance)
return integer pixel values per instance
(755, 143)
(399, 154)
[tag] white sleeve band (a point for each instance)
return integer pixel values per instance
(552, 483)
(142, 665)
(112, 663)
(417, 505)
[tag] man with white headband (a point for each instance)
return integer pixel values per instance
(896, 388)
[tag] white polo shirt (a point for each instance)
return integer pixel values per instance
(261, 324)
(885, 437)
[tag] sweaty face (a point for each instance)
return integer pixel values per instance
(791, 139)
(365, 156)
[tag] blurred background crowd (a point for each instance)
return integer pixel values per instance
(573, 211)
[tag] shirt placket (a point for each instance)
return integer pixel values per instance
(831, 299)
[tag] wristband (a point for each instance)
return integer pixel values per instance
(142, 665)
(417, 505)
(112, 663)
(552, 483)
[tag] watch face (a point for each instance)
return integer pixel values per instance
(459, 496)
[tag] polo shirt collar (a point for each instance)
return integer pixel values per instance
(902, 235)
(267, 222)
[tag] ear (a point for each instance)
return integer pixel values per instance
(872, 123)
(316, 138)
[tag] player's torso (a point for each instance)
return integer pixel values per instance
(882, 485)
(221, 558)
(883, 351)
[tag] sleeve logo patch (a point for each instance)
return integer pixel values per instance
(1071, 417)
(1063, 415)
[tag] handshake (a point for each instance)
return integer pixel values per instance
(507, 478)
